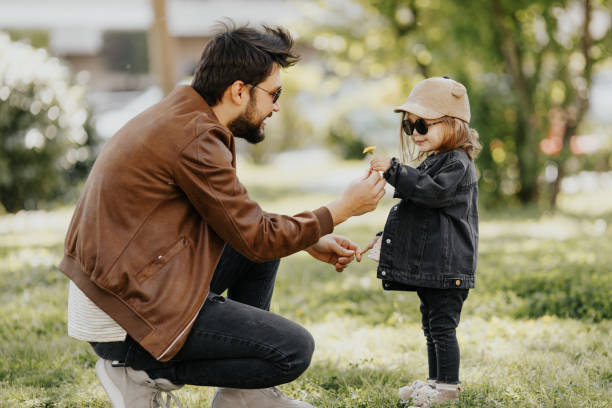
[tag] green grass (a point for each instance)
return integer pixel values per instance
(536, 332)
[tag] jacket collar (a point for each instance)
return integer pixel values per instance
(186, 94)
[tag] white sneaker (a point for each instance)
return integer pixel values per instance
(424, 397)
(257, 398)
(446, 392)
(405, 393)
(129, 388)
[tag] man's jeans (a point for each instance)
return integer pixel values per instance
(441, 311)
(234, 342)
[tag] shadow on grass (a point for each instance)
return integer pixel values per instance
(357, 386)
(15, 282)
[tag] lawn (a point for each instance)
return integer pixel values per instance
(536, 332)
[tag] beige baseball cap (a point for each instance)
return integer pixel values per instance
(435, 97)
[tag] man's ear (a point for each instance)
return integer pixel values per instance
(238, 93)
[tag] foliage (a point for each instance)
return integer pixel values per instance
(342, 137)
(369, 342)
(582, 294)
(46, 145)
(549, 50)
(527, 66)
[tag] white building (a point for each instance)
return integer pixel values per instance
(82, 31)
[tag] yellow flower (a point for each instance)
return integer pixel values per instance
(369, 149)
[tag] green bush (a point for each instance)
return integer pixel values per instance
(577, 294)
(45, 143)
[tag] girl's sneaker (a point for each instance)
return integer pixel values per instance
(405, 393)
(447, 392)
(423, 397)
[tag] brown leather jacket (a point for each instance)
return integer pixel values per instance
(158, 206)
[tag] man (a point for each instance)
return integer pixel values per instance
(163, 227)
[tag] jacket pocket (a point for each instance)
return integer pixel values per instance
(455, 282)
(162, 259)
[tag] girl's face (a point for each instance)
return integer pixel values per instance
(432, 140)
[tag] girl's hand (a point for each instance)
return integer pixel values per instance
(367, 248)
(380, 164)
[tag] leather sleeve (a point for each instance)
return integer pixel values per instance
(435, 191)
(206, 174)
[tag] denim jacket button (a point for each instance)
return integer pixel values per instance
(457, 282)
(383, 273)
(388, 241)
(386, 285)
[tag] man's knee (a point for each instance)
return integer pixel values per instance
(306, 349)
(302, 347)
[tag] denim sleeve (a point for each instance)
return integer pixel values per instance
(435, 191)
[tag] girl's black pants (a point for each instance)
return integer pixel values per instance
(440, 312)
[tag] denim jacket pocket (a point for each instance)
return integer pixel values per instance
(162, 259)
(454, 282)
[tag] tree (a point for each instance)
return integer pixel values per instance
(45, 147)
(550, 49)
(528, 66)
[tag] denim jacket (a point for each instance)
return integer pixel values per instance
(431, 236)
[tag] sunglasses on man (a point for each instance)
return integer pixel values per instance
(275, 94)
(419, 125)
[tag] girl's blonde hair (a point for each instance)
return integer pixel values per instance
(456, 134)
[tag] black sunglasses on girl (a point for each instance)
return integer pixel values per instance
(419, 125)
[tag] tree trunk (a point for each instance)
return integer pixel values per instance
(557, 186)
(581, 105)
(527, 127)
(527, 155)
(161, 48)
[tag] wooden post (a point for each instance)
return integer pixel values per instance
(161, 48)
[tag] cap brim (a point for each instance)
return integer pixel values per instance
(418, 110)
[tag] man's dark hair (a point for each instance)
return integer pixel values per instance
(244, 54)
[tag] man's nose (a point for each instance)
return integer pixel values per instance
(276, 106)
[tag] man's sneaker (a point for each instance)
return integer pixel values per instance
(405, 393)
(129, 388)
(257, 398)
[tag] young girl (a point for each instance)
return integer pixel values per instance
(430, 241)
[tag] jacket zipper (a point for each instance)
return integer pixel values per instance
(178, 337)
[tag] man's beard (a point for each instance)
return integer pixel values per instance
(244, 127)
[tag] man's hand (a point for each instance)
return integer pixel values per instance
(380, 164)
(361, 196)
(336, 250)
